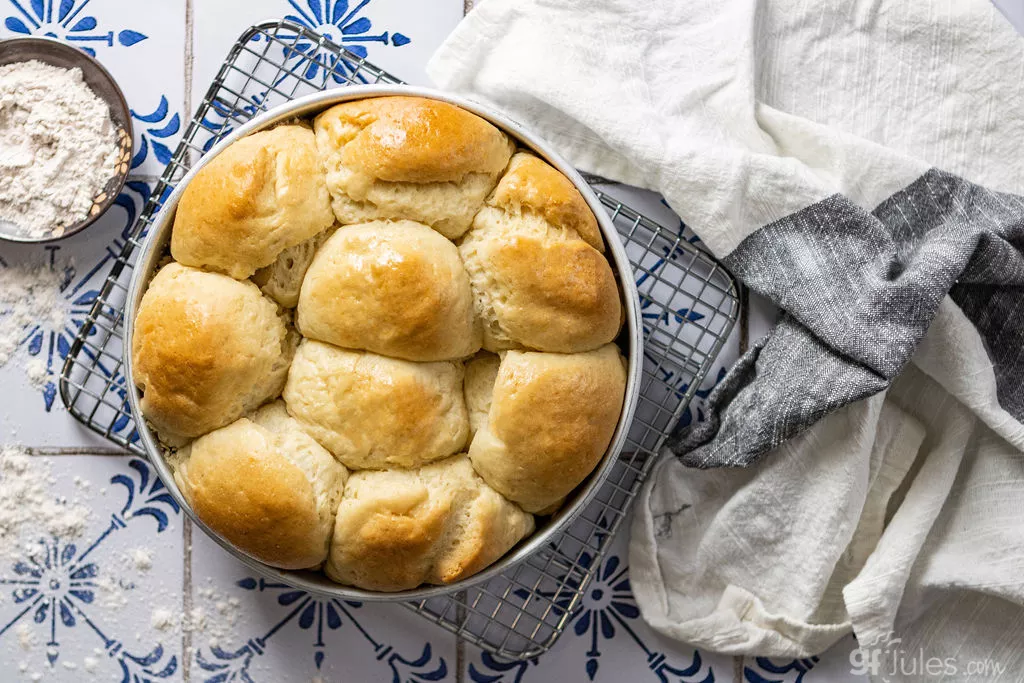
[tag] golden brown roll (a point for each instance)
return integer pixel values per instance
(394, 288)
(266, 486)
(259, 196)
(551, 419)
(409, 157)
(282, 279)
(206, 349)
(537, 278)
(397, 529)
(372, 411)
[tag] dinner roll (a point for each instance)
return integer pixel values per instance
(531, 185)
(282, 279)
(259, 196)
(372, 411)
(205, 350)
(409, 157)
(398, 289)
(397, 529)
(538, 281)
(265, 485)
(550, 421)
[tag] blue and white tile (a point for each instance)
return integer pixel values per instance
(606, 640)
(141, 44)
(85, 605)
(257, 630)
(82, 263)
(396, 35)
(833, 666)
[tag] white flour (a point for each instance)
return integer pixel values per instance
(29, 296)
(58, 147)
(27, 504)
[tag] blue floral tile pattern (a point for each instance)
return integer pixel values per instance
(79, 289)
(603, 630)
(67, 20)
(318, 617)
(766, 670)
(55, 585)
(157, 127)
(345, 26)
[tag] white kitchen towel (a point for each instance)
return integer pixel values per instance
(880, 421)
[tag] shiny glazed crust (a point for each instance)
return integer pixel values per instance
(549, 421)
(261, 195)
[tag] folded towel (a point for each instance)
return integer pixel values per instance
(879, 424)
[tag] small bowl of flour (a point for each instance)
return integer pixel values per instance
(65, 140)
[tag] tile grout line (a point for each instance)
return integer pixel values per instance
(186, 525)
(78, 450)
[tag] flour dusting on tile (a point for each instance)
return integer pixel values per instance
(140, 559)
(26, 638)
(163, 619)
(27, 503)
(30, 296)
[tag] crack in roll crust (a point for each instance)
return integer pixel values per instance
(373, 411)
(282, 279)
(398, 529)
(411, 158)
(261, 195)
(206, 350)
(266, 486)
(550, 418)
(395, 288)
(538, 281)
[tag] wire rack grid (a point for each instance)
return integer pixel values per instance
(689, 304)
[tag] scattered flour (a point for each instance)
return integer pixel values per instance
(141, 559)
(216, 617)
(27, 502)
(36, 371)
(26, 638)
(163, 619)
(112, 594)
(90, 664)
(30, 296)
(58, 147)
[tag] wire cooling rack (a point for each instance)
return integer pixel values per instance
(689, 304)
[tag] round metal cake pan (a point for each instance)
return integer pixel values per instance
(156, 248)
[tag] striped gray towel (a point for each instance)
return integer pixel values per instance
(860, 164)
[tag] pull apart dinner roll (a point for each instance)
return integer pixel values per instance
(397, 529)
(550, 418)
(206, 349)
(282, 279)
(535, 264)
(397, 289)
(261, 195)
(409, 157)
(266, 486)
(372, 411)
